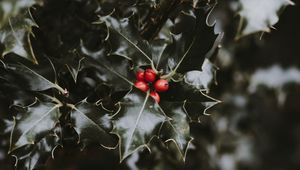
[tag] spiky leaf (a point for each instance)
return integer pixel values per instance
(36, 156)
(37, 122)
(92, 124)
(15, 36)
(196, 101)
(31, 79)
(113, 69)
(176, 129)
(125, 40)
(136, 121)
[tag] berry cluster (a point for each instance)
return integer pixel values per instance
(148, 77)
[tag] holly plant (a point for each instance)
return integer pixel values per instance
(115, 74)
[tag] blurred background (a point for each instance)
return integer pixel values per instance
(256, 127)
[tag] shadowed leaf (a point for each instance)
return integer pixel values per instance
(35, 156)
(92, 124)
(32, 79)
(196, 101)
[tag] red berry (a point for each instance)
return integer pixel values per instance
(141, 85)
(140, 75)
(150, 75)
(161, 85)
(155, 96)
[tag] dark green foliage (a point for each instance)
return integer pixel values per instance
(68, 68)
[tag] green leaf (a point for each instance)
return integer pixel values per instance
(195, 109)
(125, 41)
(15, 36)
(160, 54)
(32, 80)
(13, 93)
(188, 48)
(176, 129)
(259, 15)
(11, 8)
(36, 156)
(174, 55)
(196, 102)
(37, 122)
(113, 70)
(92, 124)
(136, 121)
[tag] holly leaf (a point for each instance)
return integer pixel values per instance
(195, 109)
(170, 54)
(259, 15)
(196, 102)
(11, 8)
(13, 93)
(31, 79)
(38, 121)
(177, 43)
(198, 83)
(177, 128)
(125, 40)
(35, 156)
(180, 55)
(194, 85)
(113, 70)
(92, 124)
(136, 121)
(158, 48)
(15, 36)
(202, 79)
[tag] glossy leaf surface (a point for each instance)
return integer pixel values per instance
(136, 121)
(15, 36)
(92, 124)
(38, 121)
(176, 129)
